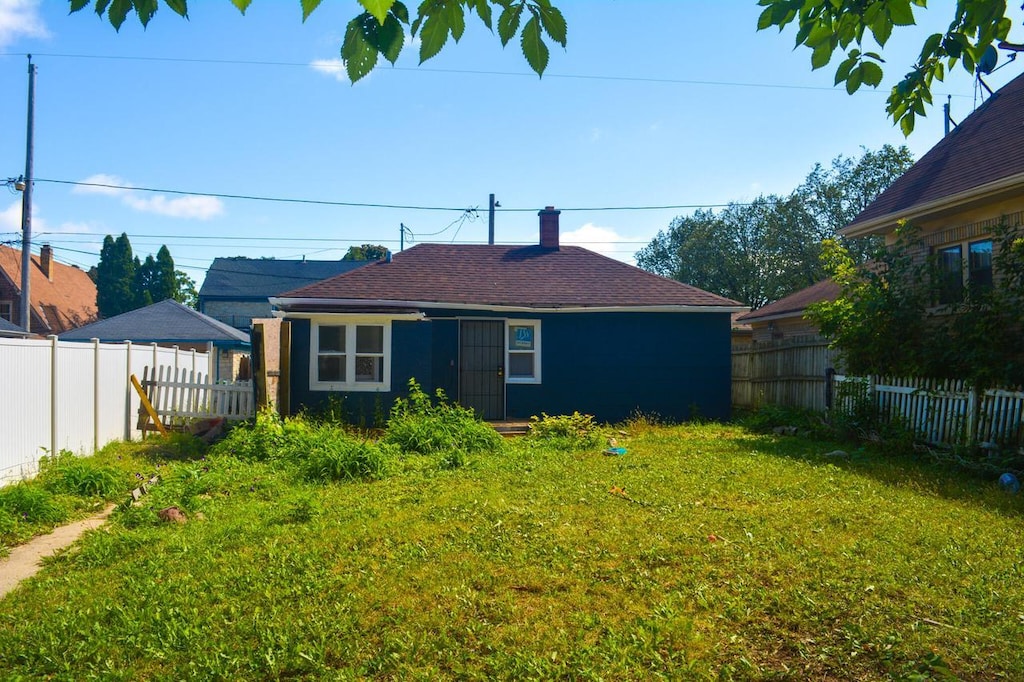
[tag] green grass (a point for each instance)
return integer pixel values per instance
(706, 552)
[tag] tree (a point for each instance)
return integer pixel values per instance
(366, 252)
(380, 30)
(185, 290)
(115, 276)
(124, 283)
(823, 26)
(759, 252)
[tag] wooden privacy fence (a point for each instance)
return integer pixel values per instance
(181, 395)
(790, 372)
(942, 412)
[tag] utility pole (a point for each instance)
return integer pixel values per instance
(26, 205)
(401, 236)
(490, 221)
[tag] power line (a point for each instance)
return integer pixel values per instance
(352, 204)
(467, 72)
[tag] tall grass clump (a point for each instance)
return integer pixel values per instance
(259, 441)
(570, 431)
(31, 503)
(65, 473)
(422, 425)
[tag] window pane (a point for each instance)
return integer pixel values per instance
(331, 368)
(332, 339)
(520, 337)
(370, 339)
(520, 365)
(980, 263)
(369, 368)
(952, 273)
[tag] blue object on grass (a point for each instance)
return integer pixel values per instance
(1009, 483)
(615, 452)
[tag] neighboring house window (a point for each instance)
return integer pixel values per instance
(354, 356)
(6, 311)
(523, 351)
(975, 271)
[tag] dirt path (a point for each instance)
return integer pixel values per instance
(25, 560)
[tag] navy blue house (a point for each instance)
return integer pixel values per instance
(511, 331)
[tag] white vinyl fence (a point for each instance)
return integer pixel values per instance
(64, 395)
(942, 412)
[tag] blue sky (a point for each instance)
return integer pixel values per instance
(652, 104)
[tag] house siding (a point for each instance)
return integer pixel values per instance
(611, 365)
(239, 314)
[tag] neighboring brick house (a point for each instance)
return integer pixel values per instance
(784, 319)
(511, 332)
(236, 290)
(62, 296)
(968, 183)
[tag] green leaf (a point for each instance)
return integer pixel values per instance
(843, 72)
(101, 6)
(241, 5)
(308, 6)
(390, 39)
(765, 20)
(821, 56)
(881, 29)
(433, 36)
(77, 5)
(483, 10)
(456, 20)
(180, 7)
(359, 55)
(378, 8)
(508, 23)
(854, 81)
(871, 73)
(118, 11)
(145, 9)
(400, 12)
(554, 23)
(534, 49)
(901, 13)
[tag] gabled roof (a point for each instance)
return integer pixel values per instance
(164, 322)
(64, 302)
(795, 304)
(436, 275)
(8, 329)
(982, 159)
(248, 278)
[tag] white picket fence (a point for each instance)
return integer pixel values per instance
(182, 394)
(65, 395)
(942, 412)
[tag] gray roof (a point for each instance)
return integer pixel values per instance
(164, 322)
(9, 329)
(246, 278)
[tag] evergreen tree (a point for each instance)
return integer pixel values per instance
(115, 277)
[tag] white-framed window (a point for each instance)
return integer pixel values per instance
(523, 352)
(6, 311)
(350, 354)
(975, 270)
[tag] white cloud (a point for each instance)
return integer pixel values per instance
(189, 206)
(10, 221)
(335, 68)
(20, 18)
(603, 240)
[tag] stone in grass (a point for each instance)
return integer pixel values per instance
(784, 430)
(172, 515)
(837, 454)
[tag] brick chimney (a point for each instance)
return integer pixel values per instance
(46, 261)
(549, 228)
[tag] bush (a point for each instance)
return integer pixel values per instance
(31, 503)
(259, 441)
(417, 424)
(576, 431)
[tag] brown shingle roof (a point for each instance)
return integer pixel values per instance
(988, 146)
(67, 302)
(514, 276)
(795, 303)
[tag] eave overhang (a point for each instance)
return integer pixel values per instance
(288, 307)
